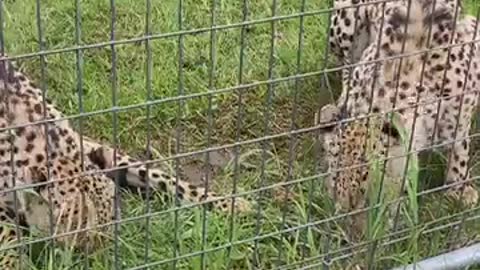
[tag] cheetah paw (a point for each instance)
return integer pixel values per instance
(468, 195)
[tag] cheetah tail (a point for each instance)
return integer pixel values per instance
(136, 176)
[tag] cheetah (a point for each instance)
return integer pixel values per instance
(354, 25)
(44, 166)
(435, 102)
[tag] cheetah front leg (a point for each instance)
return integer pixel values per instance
(453, 126)
(157, 179)
(9, 235)
(458, 172)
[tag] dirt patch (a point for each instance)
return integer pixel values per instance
(195, 169)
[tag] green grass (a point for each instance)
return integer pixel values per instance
(308, 203)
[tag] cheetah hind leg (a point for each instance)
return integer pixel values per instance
(135, 176)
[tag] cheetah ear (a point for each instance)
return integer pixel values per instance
(329, 115)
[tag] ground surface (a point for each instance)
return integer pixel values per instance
(214, 120)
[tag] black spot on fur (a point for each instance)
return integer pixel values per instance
(31, 136)
(39, 158)
(37, 108)
(69, 140)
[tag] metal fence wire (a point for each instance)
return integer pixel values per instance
(189, 134)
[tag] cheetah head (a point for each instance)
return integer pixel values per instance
(79, 202)
(344, 145)
(353, 147)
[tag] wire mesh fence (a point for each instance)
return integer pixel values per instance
(215, 104)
